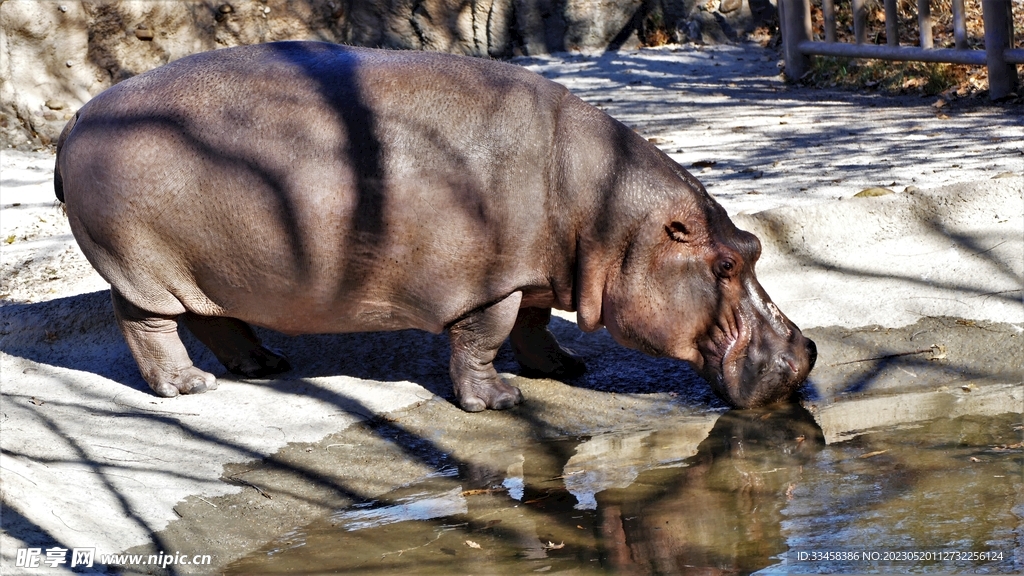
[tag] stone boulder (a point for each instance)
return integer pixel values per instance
(56, 55)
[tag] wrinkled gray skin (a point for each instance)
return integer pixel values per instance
(313, 188)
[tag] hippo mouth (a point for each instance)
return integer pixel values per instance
(723, 352)
(750, 367)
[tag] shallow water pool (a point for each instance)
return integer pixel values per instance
(735, 493)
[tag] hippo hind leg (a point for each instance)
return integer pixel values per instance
(158, 351)
(536, 349)
(475, 341)
(235, 344)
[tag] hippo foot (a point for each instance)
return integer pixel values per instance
(235, 344)
(475, 340)
(536, 349)
(191, 380)
(559, 364)
(162, 358)
(488, 393)
(259, 363)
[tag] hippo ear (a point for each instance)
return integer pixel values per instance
(678, 232)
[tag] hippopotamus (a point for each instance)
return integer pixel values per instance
(308, 187)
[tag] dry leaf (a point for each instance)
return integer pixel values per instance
(472, 544)
(873, 192)
(478, 491)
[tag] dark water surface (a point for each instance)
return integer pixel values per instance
(747, 491)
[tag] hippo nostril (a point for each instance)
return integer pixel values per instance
(812, 353)
(791, 362)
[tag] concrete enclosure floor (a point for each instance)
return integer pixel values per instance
(913, 297)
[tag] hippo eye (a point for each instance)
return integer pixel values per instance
(725, 268)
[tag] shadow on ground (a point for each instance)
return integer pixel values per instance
(58, 333)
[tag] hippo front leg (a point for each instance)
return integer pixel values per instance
(475, 341)
(162, 358)
(536, 349)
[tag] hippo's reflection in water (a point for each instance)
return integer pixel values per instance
(722, 513)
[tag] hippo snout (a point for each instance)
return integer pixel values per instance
(795, 361)
(776, 381)
(763, 368)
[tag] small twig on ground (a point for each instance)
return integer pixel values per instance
(400, 552)
(251, 485)
(152, 411)
(885, 357)
(998, 293)
(990, 249)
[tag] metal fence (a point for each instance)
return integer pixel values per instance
(999, 54)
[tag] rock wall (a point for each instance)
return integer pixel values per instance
(57, 54)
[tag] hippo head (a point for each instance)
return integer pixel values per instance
(685, 288)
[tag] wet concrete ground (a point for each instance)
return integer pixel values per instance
(914, 300)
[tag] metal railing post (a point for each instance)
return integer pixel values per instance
(1002, 75)
(795, 17)
(924, 20)
(860, 21)
(959, 25)
(892, 23)
(828, 11)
